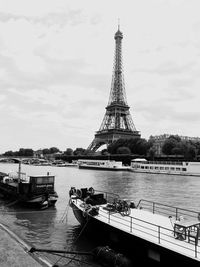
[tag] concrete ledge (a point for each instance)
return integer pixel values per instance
(14, 252)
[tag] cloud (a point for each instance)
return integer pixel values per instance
(61, 19)
(56, 60)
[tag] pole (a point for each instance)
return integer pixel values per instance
(19, 175)
(19, 172)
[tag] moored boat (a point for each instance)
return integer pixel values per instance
(166, 167)
(148, 232)
(67, 164)
(110, 165)
(33, 191)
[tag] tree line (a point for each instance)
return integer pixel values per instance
(28, 152)
(173, 145)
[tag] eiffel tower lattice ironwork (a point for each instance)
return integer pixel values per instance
(117, 122)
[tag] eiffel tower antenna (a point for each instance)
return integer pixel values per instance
(117, 122)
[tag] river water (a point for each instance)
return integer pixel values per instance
(57, 227)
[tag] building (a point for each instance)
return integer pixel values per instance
(159, 140)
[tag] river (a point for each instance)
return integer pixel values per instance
(57, 227)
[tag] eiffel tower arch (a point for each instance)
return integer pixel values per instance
(117, 122)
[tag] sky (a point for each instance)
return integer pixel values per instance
(56, 62)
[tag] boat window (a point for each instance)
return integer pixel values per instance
(166, 168)
(184, 169)
(142, 167)
(178, 169)
(51, 179)
(146, 167)
(45, 180)
(151, 167)
(156, 168)
(172, 168)
(39, 180)
(161, 168)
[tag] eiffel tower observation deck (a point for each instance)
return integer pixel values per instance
(117, 122)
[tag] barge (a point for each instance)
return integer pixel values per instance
(149, 232)
(32, 191)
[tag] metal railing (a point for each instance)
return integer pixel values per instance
(151, 232)
(167, 210)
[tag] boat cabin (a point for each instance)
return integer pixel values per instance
(41, 184)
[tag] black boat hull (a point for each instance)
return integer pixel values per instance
(32, 201)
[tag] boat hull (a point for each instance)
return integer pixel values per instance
(40, 201)
(134, 247)
(103, 168)
(33, 201)
(78, 214)
(164, 172)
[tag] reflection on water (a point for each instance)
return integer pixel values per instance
(57, 227)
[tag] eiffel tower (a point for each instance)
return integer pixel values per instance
(117, 122)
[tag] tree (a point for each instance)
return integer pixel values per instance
(123, 150)
(79, 151)
(45, 151)
(104, 152)
(53, 150)
(175, 137)
(151, 153)
(69, 152)
(142, 146)
(177, 151)
(9, 153)
(133, 145)
(112, 148)
(25, 152)
(168, 145)
(190, 152)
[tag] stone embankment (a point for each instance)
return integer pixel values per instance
(14, 252)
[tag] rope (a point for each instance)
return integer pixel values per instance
(65, 214)
(11, 203)
(77, 240)
(61, 220)
(72, 258)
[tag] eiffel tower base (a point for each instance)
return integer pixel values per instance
(109, 137)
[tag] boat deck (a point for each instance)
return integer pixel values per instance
(155, 228)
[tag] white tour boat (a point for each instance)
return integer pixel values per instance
(151, 233)
(111, 165)
(166, 167)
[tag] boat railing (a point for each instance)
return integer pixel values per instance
(151, 232)
(167, 210)
(18, 175)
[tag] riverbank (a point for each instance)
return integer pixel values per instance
(14, 252)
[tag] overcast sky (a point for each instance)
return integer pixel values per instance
(56, 61)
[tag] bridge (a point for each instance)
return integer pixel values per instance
(14, 159)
